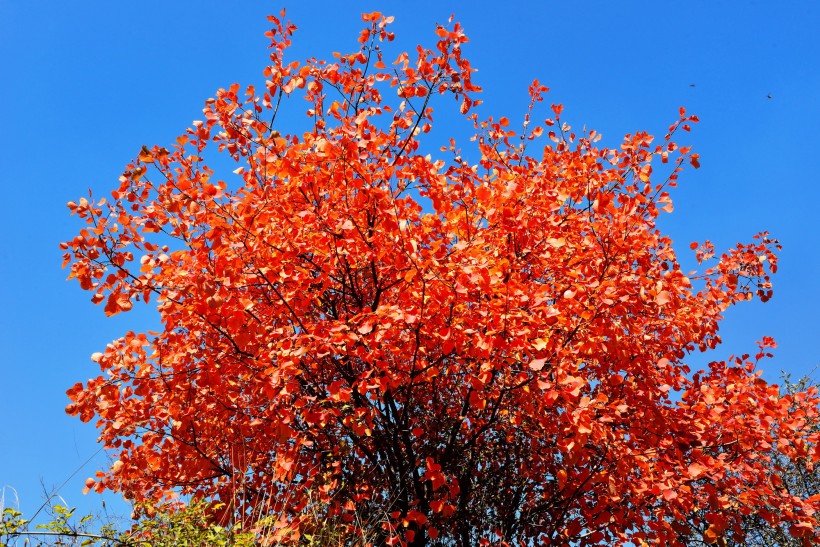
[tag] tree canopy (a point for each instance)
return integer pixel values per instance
(428, 350)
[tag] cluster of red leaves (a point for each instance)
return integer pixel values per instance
(503, 365)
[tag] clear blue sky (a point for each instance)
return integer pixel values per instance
(83, 85)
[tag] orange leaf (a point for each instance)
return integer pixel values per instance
(663, 298)
(537, 364)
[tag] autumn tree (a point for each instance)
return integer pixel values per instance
(433, 350)
(798, 476)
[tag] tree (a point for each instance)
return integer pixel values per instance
(429, 350)
(799, 477)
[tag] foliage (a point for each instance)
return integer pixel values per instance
(168, 525)
(11, 522)
(464, 353)
(799, 477)
(62, 529)
(180, 525)
(172, 524)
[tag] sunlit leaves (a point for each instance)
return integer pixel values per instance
(493, 352)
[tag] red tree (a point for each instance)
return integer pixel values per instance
(460, 354)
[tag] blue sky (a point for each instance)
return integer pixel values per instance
(85, 84)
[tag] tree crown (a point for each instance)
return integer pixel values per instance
(431, 349)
